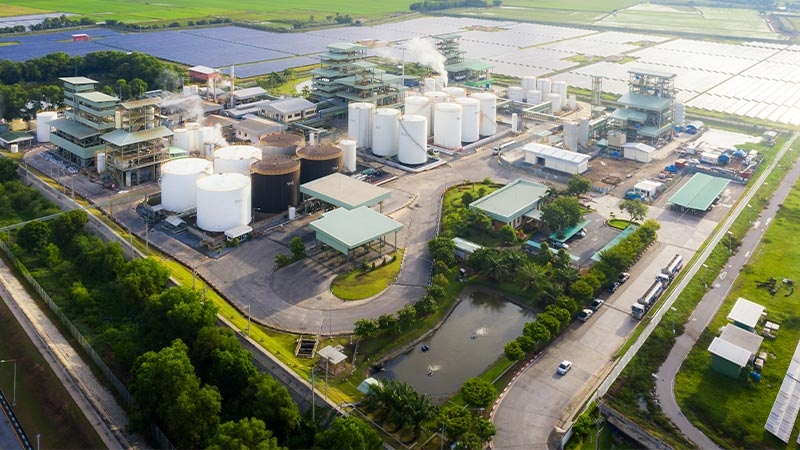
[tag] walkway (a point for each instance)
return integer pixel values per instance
(709, 305)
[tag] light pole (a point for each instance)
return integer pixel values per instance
(705, 275)
(38, 435)
(673, 319)
(14, 401)
(730, 242)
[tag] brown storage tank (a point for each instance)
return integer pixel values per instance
(319, 161)
(285, 144)
(275, 184)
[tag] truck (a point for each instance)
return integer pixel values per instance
(647, 301)
(669, 271)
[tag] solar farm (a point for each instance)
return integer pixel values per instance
(751, 79)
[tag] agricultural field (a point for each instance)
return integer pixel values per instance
(144, 12)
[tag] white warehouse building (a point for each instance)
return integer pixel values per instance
(556, 159)
(638, 151)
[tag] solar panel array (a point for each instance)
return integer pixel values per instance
(787, 404)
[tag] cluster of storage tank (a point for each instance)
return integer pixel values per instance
(536, 91)
(449, 115)
(242, 179)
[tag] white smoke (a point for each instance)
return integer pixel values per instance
(190, 106)
(212, 135)
(423, 51)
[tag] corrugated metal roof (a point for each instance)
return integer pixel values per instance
(249, 92)
(700, 192)
(346, 46)
(746, 312)
(96, 96)
(141, 103)
(557, 153)
(641, 146)
(78, 80)
(121, 138)
(511, 201)
(288, 105)
(647, 102)
(259, 126)
(628, 114)
(655, 73)
(336, 228)
(742, 338)
(343, 191)
(74, 129)
(730, 352)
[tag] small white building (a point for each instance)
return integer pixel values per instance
(556, 159)
(253, 129)
(638, 151)
(648, 189)
(288, 110)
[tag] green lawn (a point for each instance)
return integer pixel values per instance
(735, 411)
(358, 284)
(176, 10)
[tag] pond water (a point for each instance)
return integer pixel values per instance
(469, 341)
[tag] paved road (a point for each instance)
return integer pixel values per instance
(709, 305)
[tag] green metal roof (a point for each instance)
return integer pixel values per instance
(346, 46)
(512, 201)
(73, 128)
(628, 114)
(646, 102)
(700, 192)
(346, 229)
(468, 65)
(345, 192)
(562, 236)
(13, 137)
(121, 138)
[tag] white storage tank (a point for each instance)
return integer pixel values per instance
(447, 125)
(359, 123)
(43, 120)
(349, 149)
(14, 148)
(150, 118)
(470, 118)
(543, 84)
(384, 132)
(560, 88)
(429, 85)
(180, 138)
(571, 136)
(434, 98)
(515, 123)
(455, 92)
(179, 182)
(488, 124)
(419, 105)
(412, 140)
(441, 82)
(555, 101)
(101, 162)
(223, 201)
(680, 114)
(573, 102)
(528, 83)
(583, 132)
(236, 159)
(516, 93)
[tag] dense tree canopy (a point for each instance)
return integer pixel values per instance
(562, 213)
(350, 433)
(478, 392)
(246, 434)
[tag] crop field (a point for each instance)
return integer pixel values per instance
(141, 11)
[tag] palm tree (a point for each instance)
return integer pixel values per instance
(531, 276)
(419, 409)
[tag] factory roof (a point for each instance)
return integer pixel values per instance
(746, 312)
(468, 65)
(641, 146)
(73, 128)
(345, 192)
(742, 338)
(15, 137)
(336, 228)
(699, 192)
(288, 105)
(364, 65)
(654, 73)
(557, 153)
(511, 201)
(203, 69)
(259, 126)
(346, 46)
(251, 92)
(78, 80)
(730, 352)
(141, 103)
(446, 36)
(628, 114)
(121, 138)
(647, 102)
(96, 96)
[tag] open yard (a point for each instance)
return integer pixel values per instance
(734, 411)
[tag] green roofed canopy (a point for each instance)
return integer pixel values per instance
(512, 201)
(700, 192)
(346, 229)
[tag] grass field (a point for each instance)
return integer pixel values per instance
(358, 285)
(140, 11)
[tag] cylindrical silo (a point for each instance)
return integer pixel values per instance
(680, 114)
(223, 201)
(571, 136)
(179, 182)
(429, 84)
(384, 132)
(43, 120)
(516, 93)
(434, 98)
(236, 159)
(359, 123)
(515, 122)
(441, 82)
(319, 161)
(284, 144)
(555, 101)
(528, 83)
(276, 183)
(419, 105)
(543, 84)
(447, 125)
(149, 117)
(573, 102)
(181, 138)
(535, 97)
(560, 88)
(412, 140)
(583, 132)
(349, 150)
(470, 118)
(455, 92)
(101, 162)
(488, 101)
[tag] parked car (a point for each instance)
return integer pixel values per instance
(559, 244)
(584, 315)
(582, 233)
(614, 287)
(623, 277)
(564, 367)
(596, 304)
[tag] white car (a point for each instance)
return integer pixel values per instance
(564, 367)
(584, 315)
